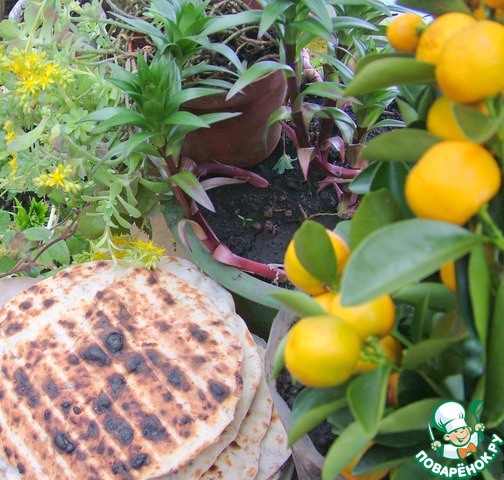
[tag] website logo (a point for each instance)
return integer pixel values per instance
(459, 442)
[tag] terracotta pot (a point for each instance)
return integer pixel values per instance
(238, 141)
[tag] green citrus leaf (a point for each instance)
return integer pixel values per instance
(392, 176)
(440, 298)
(362, 183)
(411, 417)
(423, 351)
(300, 303)
(478, 127)
(345, 448)
(436, 7)
(404, 145)
(494, 390)
(480, 285)
(367, 395)
(315, 252)
(400, 254)
(388, 71)
(376, 210)
(311, 407)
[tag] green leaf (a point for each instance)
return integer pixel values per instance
(385, 72)
(311, 407)
(366, 397)
(362, 183)
(315, 252)
(494, 390)
(5, 221)
(157, 187)
(272, 13)
(255, 72)
(436, 7)
(190, 185)
(278, 359)
(392, 176)
(185, 118)
(376, 210)
(440, 298)
(480, 284)
(477, 127)
(419, 353)
(27, 139)
(380, 457)
(300, 303)
(225, 22)
(57, 253)
(404, 145)
(344, 23)
(6, 264)
(329, 90)
(37, 234)
(400, 254)
(411, 417)
(345, 448)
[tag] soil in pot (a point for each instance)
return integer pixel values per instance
(258, 223)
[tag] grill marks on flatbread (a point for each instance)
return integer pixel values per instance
(132, 381)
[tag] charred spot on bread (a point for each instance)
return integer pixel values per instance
(118, 427)
(63, 442)
(114, 342)
(116, 384)
(219, 391)
(94, 354)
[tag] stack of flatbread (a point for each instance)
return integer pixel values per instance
(126, 373)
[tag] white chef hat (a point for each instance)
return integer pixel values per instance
(449, 416)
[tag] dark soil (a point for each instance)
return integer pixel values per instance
(258, 223)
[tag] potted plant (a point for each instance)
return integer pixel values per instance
(189, 30)
(438, 256)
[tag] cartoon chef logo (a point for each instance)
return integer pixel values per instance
(450, 418)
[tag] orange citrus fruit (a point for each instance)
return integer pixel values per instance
(495, 3)
(403, 32)
(299, 276)
(434, 37)
(321, 351)
(452, 181)
(472, 61)
(347, 472)
(370, 319)
(391, 348)
(447, 274)
(441, 120)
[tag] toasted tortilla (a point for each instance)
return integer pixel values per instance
(240, 460)
(113, 374)
(251, 366)
(274, 449)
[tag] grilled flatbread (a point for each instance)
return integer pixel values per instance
(240, 460)
(251, 366)
(274, 448)
(113, 374)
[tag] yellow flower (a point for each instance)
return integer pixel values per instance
(13, 165)
(33, 71)
(129, 251)
(58, 179)
(9, 129)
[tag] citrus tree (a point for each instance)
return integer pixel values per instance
(414, 316)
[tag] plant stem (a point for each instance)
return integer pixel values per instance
(498, 237)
